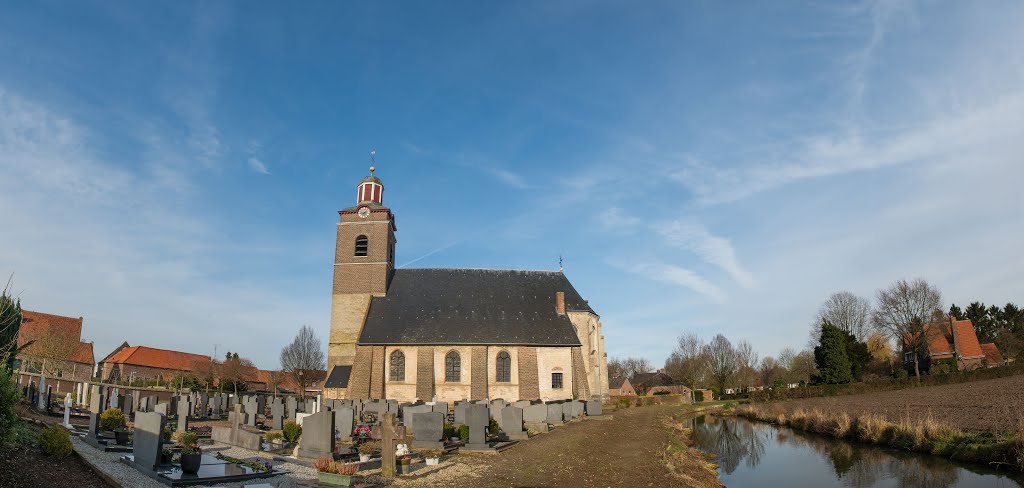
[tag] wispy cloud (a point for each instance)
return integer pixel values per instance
(507, 177)
(713, 249)
(258, 166)
(673, 275)
(616, 218)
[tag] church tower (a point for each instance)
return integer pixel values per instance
(364, 262)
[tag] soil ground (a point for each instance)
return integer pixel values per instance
(979, 406)
(24, 465)
(628, 450)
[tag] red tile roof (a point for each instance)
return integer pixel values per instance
(157, 358)
(992, 353)
(84, 353)
(937, 337)
(36, 325)
(966, 339)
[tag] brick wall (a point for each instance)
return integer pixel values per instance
(425, 373)
(377, 372)
(529, 385)
(581, 390)
(478, 384)
(359, 380)
(363, 274)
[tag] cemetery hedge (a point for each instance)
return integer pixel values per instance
(292, 431)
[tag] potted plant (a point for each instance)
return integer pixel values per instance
(191, 454)
(433, 456)
(168, 432)
(331, 472)
(274, 438)
(366, 449)
(112, 419)
(166, 456)
(362, 432)
(292, 431)
(404, 464)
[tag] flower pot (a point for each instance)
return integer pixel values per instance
(335, 479)
(190, 462)
(433, 461)
(364, 458)
(166, 457)
(121, 437)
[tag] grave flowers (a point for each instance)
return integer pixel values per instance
(366, 449)
(362, 432)
(191, 454)
(433, 456)
(331, 472)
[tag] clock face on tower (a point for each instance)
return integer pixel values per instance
(364, 212)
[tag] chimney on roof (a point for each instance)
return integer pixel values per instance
(952, 332)
(560, 302)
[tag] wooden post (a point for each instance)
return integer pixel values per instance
(387, 446)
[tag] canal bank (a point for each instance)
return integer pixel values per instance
(754, 454)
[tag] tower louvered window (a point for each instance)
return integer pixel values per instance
(397, 366)
(362, 245)
(452, 367)
(504, 367)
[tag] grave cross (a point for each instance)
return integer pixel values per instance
(387, 446)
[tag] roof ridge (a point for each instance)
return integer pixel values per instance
(168, 350)
(483, 269)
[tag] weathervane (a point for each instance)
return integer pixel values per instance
(373, 161)
(560, 263)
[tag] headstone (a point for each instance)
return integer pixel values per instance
(95, 409)
(344, 422)
(477, 419)
(554, 413)
(441, 407)
(317, 438)
(261, 404)
(409, 411)
(204, 405)
(300, 416)
(147, 444)
(522, 404)
(46, 399)
(67, 411)
(83, 399)
(277, 414)
(512, 422)
(218, 407)
(183, 409)
(129, 404)
(292, 407)
(41, 399)
(162, 409)
(236, 434)
(113, 398)
(251, 409)
(460, 413)
(387, 449)
(136, 400)
(594, 408)
(567, 411)
(428, 429)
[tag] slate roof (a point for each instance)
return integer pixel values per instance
(616, 382)
(473, 306)
(338, 377)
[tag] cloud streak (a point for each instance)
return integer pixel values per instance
(716, 250)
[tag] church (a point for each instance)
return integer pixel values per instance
(451, 334)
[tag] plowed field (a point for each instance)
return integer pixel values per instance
(980, 406)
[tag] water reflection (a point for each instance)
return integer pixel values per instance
(739, 442)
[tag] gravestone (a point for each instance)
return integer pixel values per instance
(387, 446)
(512, 422)
(113, 398)
(41, 399)
(236, 434)
(83, 399)
(409, 411)
(95, 409)
(136, 400)
(204, 405)
(218, 407)
(46, 401)
(162, 409)
(261, 405)
(567, 411)
(427, 430)
(554, 413)
(67, 411)
(183, 410)
(251, 409)
(344, 422)
(148, 441)
(310, 406)
(129, 406)
(460, 413)
(477, 419)
(277, 414)
(594, 408)
(292, 407)
(522, 404)
(440, 407)
(317, 438)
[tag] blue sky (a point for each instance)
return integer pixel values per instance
(172, 171)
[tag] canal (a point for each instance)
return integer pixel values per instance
(755, 454)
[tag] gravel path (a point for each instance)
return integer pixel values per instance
(109, 464)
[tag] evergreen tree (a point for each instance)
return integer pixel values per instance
(10, 324)
(858, 355)
(830, 355)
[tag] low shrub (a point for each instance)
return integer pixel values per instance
(661, 392)
(292, 431)
(10, 394)
(55, 441)
(189, 442)
(450, 432)
(112, 419)
(368, 447)
(272, 436)
(493, 428)
(464, 432)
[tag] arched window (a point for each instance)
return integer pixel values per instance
(452, 367)
(397, 366)
(504, 367)
(362, 244)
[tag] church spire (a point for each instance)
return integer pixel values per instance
(370, 190)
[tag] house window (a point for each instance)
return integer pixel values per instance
(556, 381)
(452, 367)
(908, 357)
(397, 366)
(362, 244)
(504, 367)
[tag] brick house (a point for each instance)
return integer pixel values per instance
(148, 363)
(57, 349)
(451, 334)
(620, 386)
(953, 345)
(651, 383)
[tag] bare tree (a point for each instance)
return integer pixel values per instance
(304, 359)
(722, 361)
(769, 371)
(628, 367)
(206, 372)
(688, 362)
(849, 312)
(746, 360)
(276, 379)
(236, 371)
(803, 368)
(902, 311)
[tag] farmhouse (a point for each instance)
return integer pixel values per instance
(148, 363)
(620, 386)
(953, 345)
(452, 334)
(56, 348)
